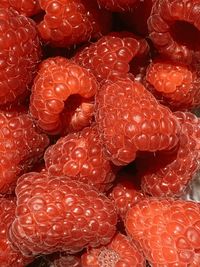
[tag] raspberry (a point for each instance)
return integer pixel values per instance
(72, 22)
(110, 56)
(117, 5)
(125, 194)
(167, 230)
(64, 260)
(130, 120)
(58, 214)
(176, 84)
(20, 53)
(24, 7)
(57, 79)
(120, 252)
(174, 29)
(80, 156)
(9, 256)
(169, 173)
(21, 145)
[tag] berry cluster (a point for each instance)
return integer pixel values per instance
(99, 133)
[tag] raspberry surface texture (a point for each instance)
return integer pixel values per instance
(57, 79)
(80, 156)
(60, 214)
(20, 53)
(120, 252)
(167, 231)
(117, 5)
(130, 120)
(21, 145)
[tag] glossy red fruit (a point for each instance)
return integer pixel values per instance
(167, 230)
(24, 7)
(117, 5)
(175, 84)
(21, 145)
(8, 255)
(120, 252)
(109, 57)
(125, 193)
(72, 22)
(174, 29)
(130, 120)
(20, 54)
(60, 214)
(168, 173)
(80, 156)
(57, 79)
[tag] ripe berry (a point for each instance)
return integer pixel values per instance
(57, 79)
(20, 53)
(130, 120)
(60, 214)
(167, 230)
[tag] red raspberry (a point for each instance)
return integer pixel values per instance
(8, 256)
(58, 214)
(77, 114)
(21, 145)
(64, 260)
(131, 120)
(168, 173)
(19, 54)
(110, 56)
(25, 7)
(120, 252)
(57, 79)
(167, 230)
(117, 5)
(72, 22)
(176, 84)
(80, 156)
(174, 29)
(125, 194)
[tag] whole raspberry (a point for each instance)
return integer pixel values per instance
(59, 214)
(72, 22)
(177, 85)
(169, 173)
(130, 120)
(80, 156)
(20, 53)
(174, 29)
(110, 56)
(119, 252)
(24, 7)
(8, 256)
(125, 193)
(117, 5)
(167, 230)
(57, 79)
(21, 145)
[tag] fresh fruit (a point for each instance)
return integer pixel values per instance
(67, 23)
(57, 79)
(117, 5)
(110, 56)
(9, 257)
(168, 173)
(20, 53)
(174, 29)
(21, 146)
(130, 120)
(64, 260)
(24, 7)
(125, 193)
(80, 156)
(119, 252)
(167, 231)
(175, 84)
(60, 214)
